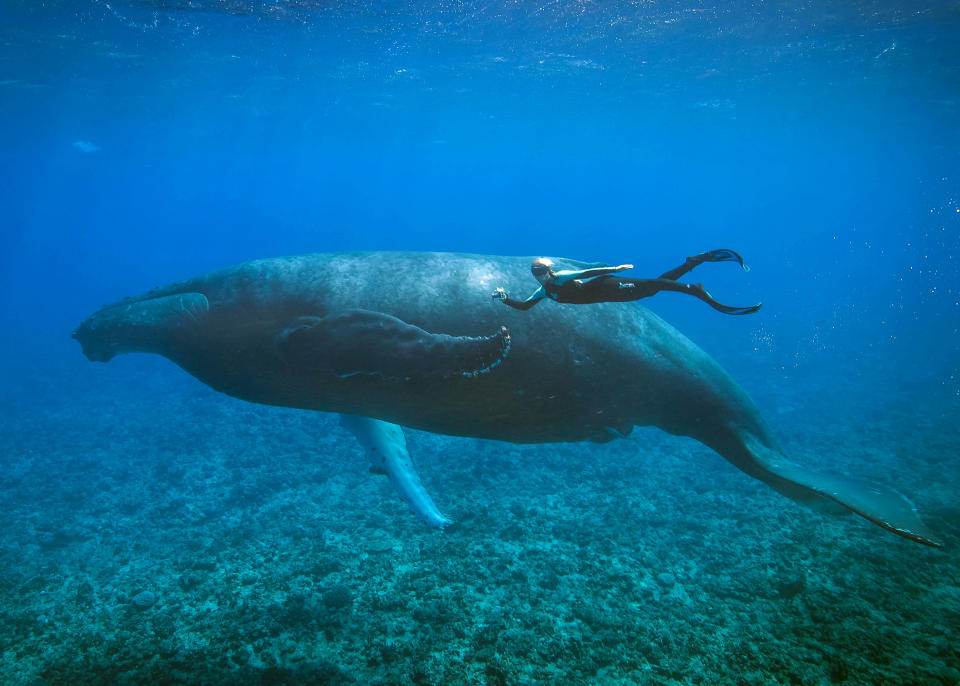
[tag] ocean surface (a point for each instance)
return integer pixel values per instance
(155, 531)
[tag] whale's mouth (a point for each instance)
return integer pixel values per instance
(139, 325)
(92, 346)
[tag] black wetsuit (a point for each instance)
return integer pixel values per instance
(602, 286)
(610, 288)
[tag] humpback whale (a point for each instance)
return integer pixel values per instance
(404, 339)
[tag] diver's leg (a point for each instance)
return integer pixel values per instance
(634, 289)
(721, 255)
(698, 291)
(623, 289)
(605, 289)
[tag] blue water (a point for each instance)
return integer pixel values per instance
(145, 142)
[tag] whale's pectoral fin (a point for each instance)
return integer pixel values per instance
(140, 325)
(880, 504)
(387, 449)
(361, 342)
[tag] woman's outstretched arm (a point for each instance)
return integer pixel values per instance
(537, 296)
(563, 276)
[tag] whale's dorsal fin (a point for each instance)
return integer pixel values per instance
(362, 342)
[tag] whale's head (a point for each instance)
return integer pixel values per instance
(145, 325)
(96, 343)
(92, 347)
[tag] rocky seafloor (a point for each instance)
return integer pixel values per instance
(154, 531)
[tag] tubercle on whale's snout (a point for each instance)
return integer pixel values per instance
(145, 325)
(92, 346)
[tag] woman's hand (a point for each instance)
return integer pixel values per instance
(499, 294)
(624, 267)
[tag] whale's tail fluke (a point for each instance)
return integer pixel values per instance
(880, 504)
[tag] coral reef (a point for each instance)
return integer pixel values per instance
(155, 531)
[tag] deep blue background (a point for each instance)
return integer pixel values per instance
(821, 142)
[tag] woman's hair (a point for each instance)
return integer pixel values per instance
(541, 265)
